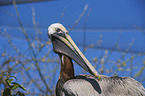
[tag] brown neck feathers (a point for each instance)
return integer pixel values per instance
(67, 70)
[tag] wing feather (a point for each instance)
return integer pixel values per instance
(88, 85)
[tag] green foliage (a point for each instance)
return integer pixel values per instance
(12, 86)
(7, 92)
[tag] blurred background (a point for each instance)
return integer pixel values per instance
(111, 34)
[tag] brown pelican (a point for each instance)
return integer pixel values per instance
(85, 85)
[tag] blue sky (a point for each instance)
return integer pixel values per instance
(104, 14)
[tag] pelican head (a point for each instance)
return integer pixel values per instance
(64, 45)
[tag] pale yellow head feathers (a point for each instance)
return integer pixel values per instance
(53, 28)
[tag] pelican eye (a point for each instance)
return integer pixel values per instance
(59, 32)
(58, 29)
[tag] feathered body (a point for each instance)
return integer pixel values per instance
(88, 85)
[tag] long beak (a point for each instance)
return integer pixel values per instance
(65, 45)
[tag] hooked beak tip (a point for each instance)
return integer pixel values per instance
(98, 77)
